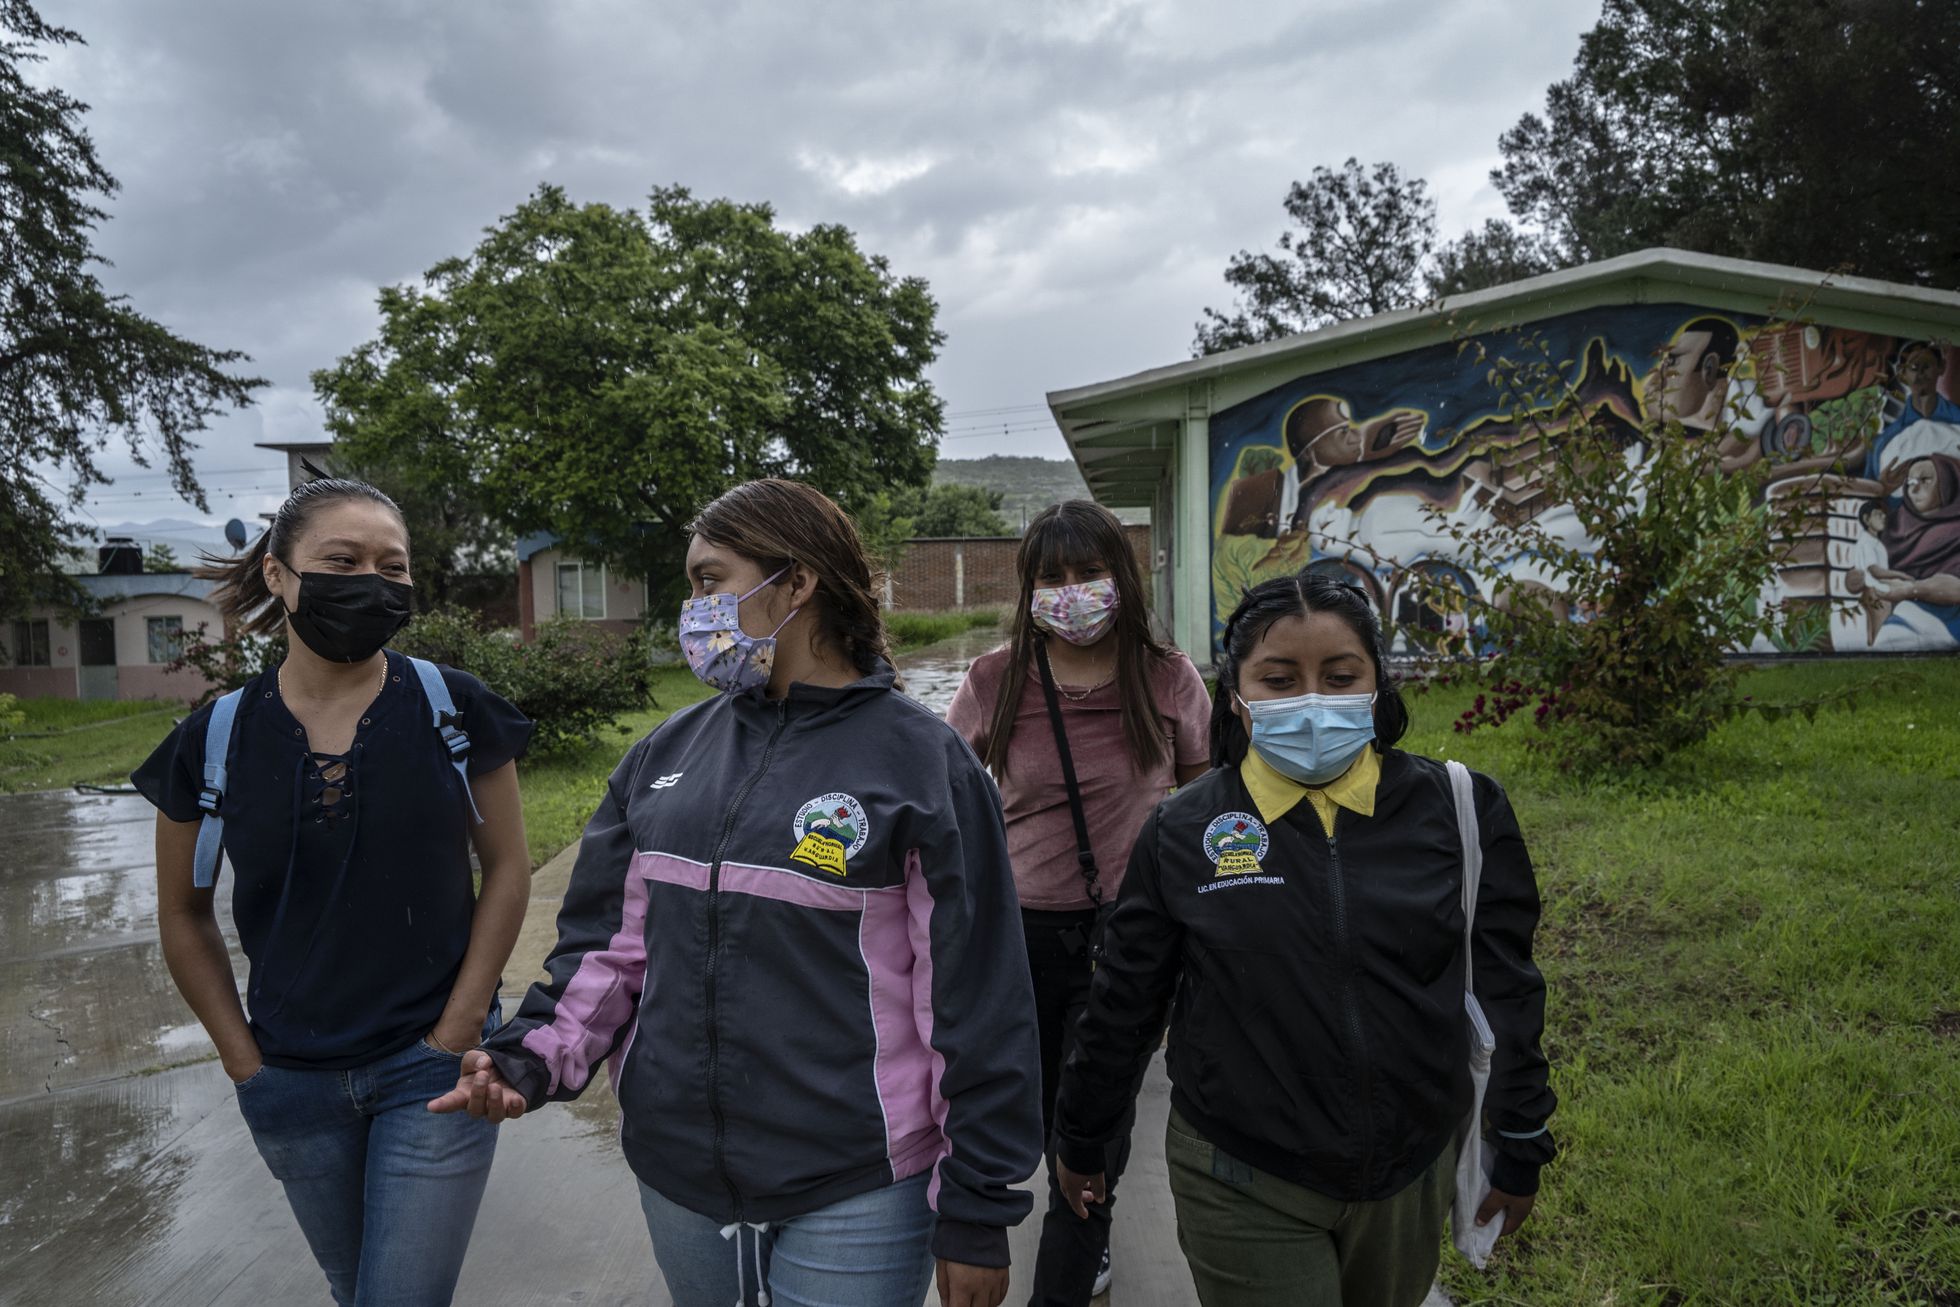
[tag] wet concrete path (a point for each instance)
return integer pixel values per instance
(128, 1177)
(933, 674)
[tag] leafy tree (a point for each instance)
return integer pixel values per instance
(1818, 133)
(392, 427)
(1364, 236)
(161, 557)
(78, 366)
(893, 518)
(1490, 255)
(601, 373)
(885, 524)
(949, 510)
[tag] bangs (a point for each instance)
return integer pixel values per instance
(1064, 540)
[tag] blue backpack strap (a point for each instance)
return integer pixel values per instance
(217, 753)
(443, 709)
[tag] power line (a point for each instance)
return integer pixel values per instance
(1001, 422)
(988, 412)
(999, 431)
(150, 474)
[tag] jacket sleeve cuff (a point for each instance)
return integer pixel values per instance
(1515, 1177)
(1081, 1158)
(522, 1072)
(969, 1244)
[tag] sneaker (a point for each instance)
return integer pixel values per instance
(1103, 1276)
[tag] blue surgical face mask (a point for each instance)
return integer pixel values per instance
(721, 653)
(1312, 738)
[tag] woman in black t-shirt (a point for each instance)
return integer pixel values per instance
(373, 963)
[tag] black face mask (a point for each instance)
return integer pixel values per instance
(346, 618)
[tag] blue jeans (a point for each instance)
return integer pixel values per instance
(874, 1250)
(384, 1190)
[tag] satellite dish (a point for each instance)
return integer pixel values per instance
(235, 533)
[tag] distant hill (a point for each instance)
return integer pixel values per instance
(1026, 485)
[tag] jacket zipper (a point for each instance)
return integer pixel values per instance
(714, 953)
(1337, 893)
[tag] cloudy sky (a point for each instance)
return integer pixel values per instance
(1071, 177)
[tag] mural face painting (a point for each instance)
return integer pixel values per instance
(1335, 471)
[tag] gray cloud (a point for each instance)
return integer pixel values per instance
(1071, 177)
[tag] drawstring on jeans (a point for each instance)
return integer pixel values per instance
(761, 1286)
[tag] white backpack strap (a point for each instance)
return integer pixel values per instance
(443, 709)
(1473, 856)
(217, 753)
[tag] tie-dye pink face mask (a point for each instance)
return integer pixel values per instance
(1080, 614)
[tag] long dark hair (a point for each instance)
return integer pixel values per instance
(1296, 596)
(776, 522)
(1071, 534)
(242, 596)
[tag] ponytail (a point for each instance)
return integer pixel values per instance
(242, 597)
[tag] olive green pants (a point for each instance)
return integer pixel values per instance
(1254, 1240)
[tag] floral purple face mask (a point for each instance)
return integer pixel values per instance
(719, 651)
(1078, 613)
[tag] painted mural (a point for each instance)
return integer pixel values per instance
(1334, 471)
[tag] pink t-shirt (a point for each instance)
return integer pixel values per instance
(1115, 798)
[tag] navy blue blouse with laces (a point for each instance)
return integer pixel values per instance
(351, 882)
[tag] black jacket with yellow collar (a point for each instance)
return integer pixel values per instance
(1318, 1032)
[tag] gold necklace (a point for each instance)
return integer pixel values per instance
(279, 678)
(1079, 695)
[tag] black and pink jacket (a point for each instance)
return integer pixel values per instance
(792, 927)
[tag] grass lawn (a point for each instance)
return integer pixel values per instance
(65, 741)
(560, 793)
(1754, 1015)
(915, 630)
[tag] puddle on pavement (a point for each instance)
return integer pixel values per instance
(78, 870)
(932, 675)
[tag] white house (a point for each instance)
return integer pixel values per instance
(122, 651)
(553, 581)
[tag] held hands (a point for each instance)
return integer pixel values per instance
(1514, 1207)
(481, 1091)
(961, 1285)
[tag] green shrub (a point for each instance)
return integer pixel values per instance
(1625, 657)
(573, 681)
(10, 713)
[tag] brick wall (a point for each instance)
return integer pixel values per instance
(938, 574)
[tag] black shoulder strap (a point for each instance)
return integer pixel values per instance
(1084, 856)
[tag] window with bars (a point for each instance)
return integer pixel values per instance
(581, 590)
(31, 644)
(166, 638)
